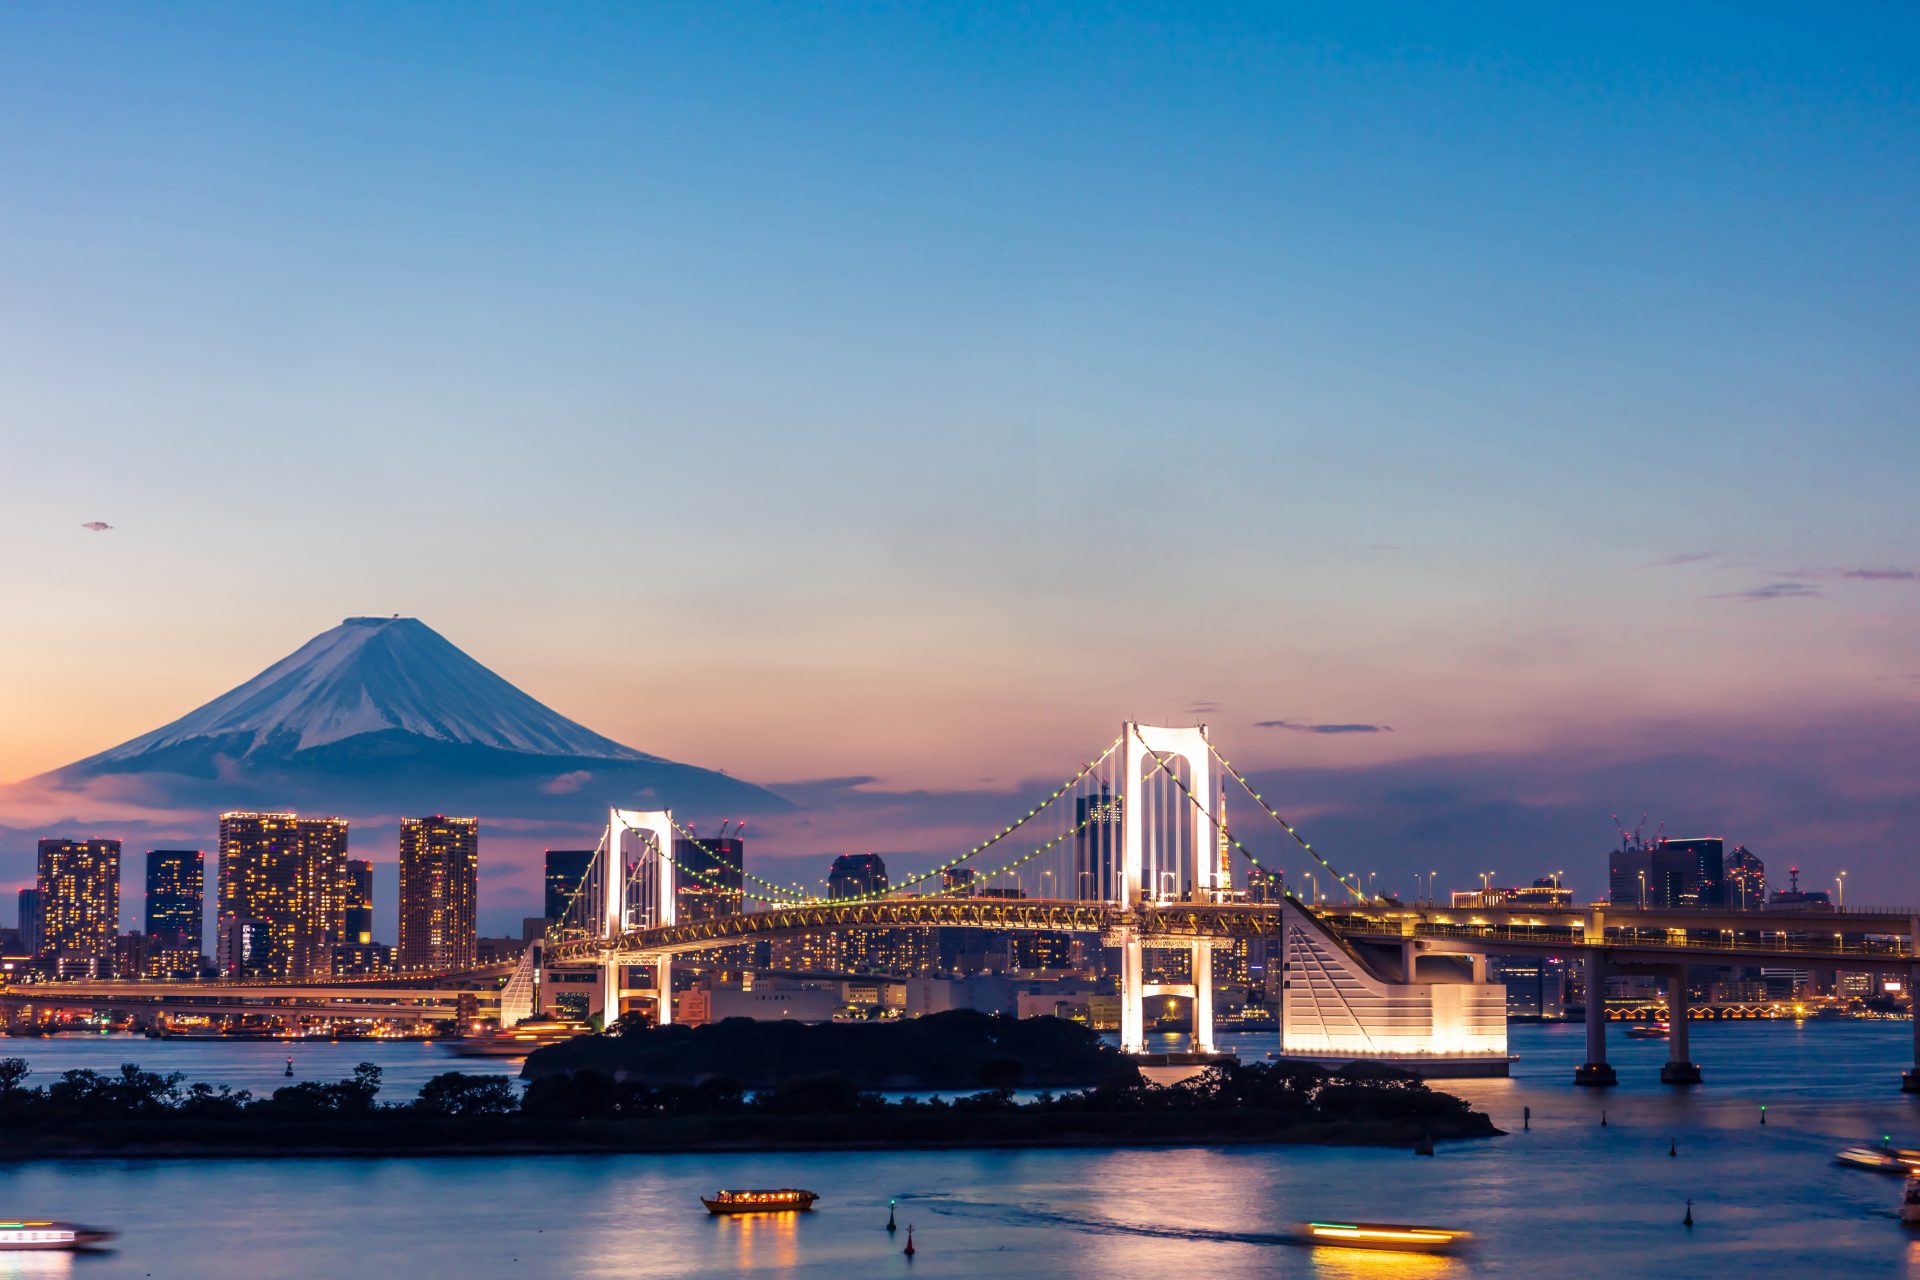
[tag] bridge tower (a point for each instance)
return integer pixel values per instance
(622, 823)
(1146, 743)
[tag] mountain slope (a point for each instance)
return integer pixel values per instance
(386, 711)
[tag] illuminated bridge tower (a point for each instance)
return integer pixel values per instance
(1190, 825)
(654, 871)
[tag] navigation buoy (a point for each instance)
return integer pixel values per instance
(1763, 1113)
(910, 1250)
(289, 1066)
(1526, 1117)
(1687, 1221)
(1673, 1148)
(1603, 1117)
(890, 1227)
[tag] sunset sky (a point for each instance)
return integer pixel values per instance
(838, 394)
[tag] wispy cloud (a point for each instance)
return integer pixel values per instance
(1203, 708)
(1683, 557)
(1879, 575)
(1303, 726)
(1772, 591)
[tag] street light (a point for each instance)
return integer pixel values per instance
(1643, 890)
(1840, 883)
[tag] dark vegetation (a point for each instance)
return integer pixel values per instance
(960, 1049)
(139, 1112)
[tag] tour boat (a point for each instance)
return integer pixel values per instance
(514, 1042)
(1910, 1201)
(50, 1235)
(780, 1200)
(1384, 1235)
(1649, 1031)
(1880, 1159)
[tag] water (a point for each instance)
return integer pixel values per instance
(1568, 1198)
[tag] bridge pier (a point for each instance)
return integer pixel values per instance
(1679, 1068)
(1133, 996)
(663, 990)
(1203, 995)
(610, 970)
(1595, 1070)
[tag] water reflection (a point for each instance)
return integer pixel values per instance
(761, 1239)
(38, 1266)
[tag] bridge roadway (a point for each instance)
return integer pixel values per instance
(406, 999)
(1876, 938)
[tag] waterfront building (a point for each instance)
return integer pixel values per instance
(1536, 985)
(565, 869)
(283, 882)
(357, 917)
(1096, 821)
(1746, 879)
(176, 913)
(79, 884)
(30, 921)
(957, 882)
(439, 892)
(1630, 873)
(362, 960)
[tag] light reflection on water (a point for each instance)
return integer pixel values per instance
(1567, 1198)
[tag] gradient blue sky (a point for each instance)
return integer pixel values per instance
(1529, 381)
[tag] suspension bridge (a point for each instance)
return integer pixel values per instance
(1134, 848)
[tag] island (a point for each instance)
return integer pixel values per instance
(608, 1095)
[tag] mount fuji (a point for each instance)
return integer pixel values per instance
(386, 713)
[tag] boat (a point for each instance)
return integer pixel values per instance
(776, 1200)
(1384, 1235)
(1649, 1031)
(516, 1041)
(51, 1235)
(1882, 1159)
(1910, 1200)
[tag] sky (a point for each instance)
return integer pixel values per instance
(883, 402)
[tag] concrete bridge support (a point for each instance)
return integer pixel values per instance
(1679, 1067)
(1203, 995)
(1133, 997)
(1595, 1070)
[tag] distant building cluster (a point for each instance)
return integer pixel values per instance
(289, 903)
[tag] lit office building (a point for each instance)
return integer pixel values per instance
(176, 912)
(1746, 879)
(283, 887)
(958, 882)
(1536, 985)
(79, 884)
(439, 891)
(30, 921)
(565, 869)
(1096, 844)
(357, 919)
(709, 878)
(857, 875)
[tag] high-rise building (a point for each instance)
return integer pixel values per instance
(1746, 879)
(709, 878)
(79, 884)
(357, 919)
(439, 892)
(566, 868)
(1691, 872)
(958, 882)
(857, 875)
(1630, 879)
(30, 921)
(283, 882)
(176, 911)
(1096, 845)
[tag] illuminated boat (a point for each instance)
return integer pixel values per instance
(1910, 1201)
(51, 1235)
(1384, 1235)
(1880, 1159)
(516, 1041)
(779, 1200)
(1650, 1031)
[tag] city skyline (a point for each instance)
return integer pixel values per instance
(1540, 437)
